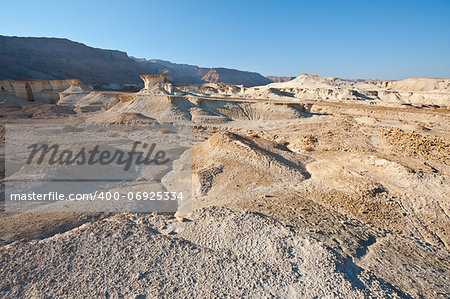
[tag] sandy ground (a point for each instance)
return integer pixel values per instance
(347, 200)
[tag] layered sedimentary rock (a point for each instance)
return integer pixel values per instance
(184, 74)
(420, 91)
(417, 91)
(228, 76)
(37, 90)
(151, 80)
(24, 58)
(277, 79)
(156, 84)
(416, 84)
(175, 72)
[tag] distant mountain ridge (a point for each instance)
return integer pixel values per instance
(277, 79)
(179, 73)
(230, 76)
(192, 74)
(25, 58)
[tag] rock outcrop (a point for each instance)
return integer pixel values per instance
(180, 74)
(416, 84)
(37, 90)
(151, 80)
(191, 74)
(24, 58)
(235, 77)
(276, 79)
(416, 91)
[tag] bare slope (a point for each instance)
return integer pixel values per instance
(192, 74)
(23, 58)
(219, 252)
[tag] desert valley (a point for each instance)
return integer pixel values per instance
(301, 187)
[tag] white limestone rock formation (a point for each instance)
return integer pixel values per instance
(45, 91)
(156, 84)
(151, 80)
(416, 91)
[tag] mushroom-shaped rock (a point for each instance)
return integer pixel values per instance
(151, 80)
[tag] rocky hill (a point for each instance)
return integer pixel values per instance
(223, 75)
(416, 84)
(277, 79)
(192, 74)
(417, 91)
(25, 58)
(175, 72)
(313, 81)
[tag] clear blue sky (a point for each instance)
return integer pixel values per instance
(349, 39)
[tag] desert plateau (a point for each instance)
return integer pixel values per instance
(315, 185)
(253, 186)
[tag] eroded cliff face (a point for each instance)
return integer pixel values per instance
(38, 90)
(184, 74)
(151, 80)
(229, 76)
(25, 58)
(416, 84)
(277, 79)
(417, 91)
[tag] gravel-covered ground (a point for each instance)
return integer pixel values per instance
(348, 201)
